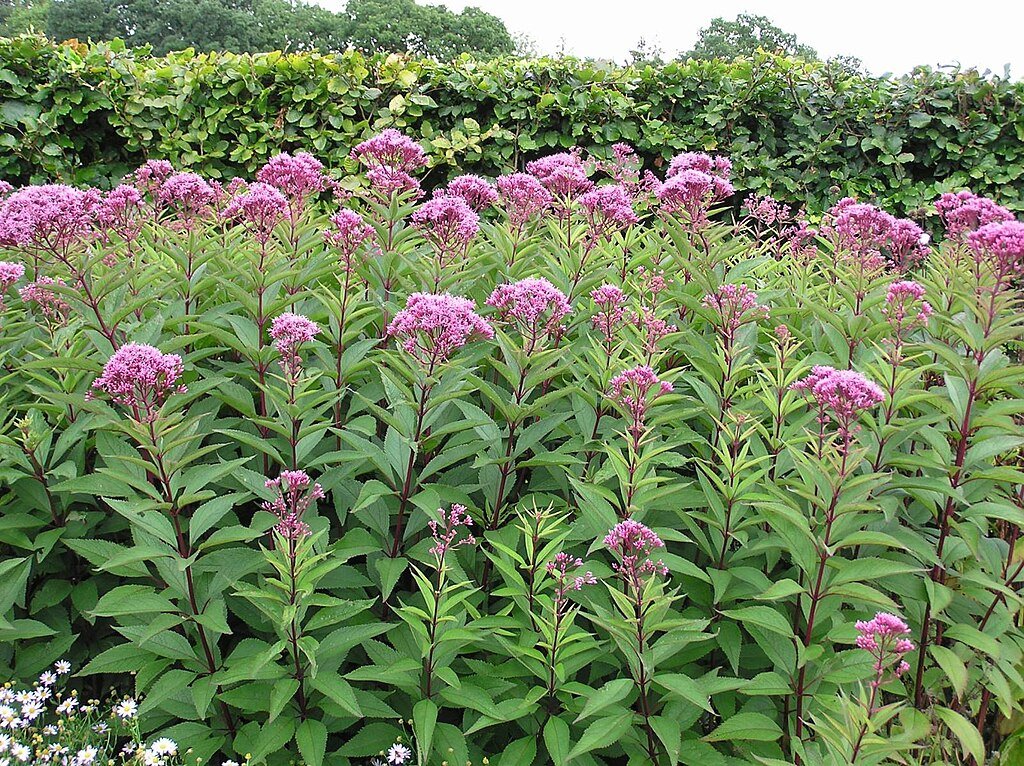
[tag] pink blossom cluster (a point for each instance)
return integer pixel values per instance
(564, 175)
(767, 210)
(433, 327)
(294, 493)
(1001, 247)
(140, 377)
(41, 293)
(858, 227)
(347, 234)
(735, 306)
(9, 274)
(5, 189)
(634, 544)
(188, 196)
(624, 167)
(290, 331)
(121, 211)
(260, 208)
(840, 395)
(802, 240)
(559, 568)
(652, 328)
(447, 530)
(534, 306)
(523, 197)
(479, 193)
(448, 224)
(701, 162)
(905, 307)
(692, 192)
(53, 218)
(390, 158)
(882, 638)
(611, 311)
(635, 390)
(608, 209)
(151, 175)
(299, 176)
(964, 211)
(907, 244)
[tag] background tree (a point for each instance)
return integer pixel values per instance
(723, 39)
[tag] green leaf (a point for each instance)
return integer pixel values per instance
(966, 732)
(602, 733)
(311, 737)
(556, 740)
(610, 693)
(424, 718)
(752, 727)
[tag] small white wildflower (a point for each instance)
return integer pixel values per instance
(50, 730)
(7, 714)
(67, 706)
(62, 667)
(230, 763)
(5, 742)
(101, 728)
(126, 708)
(48, 678)
(164, 746)
(32, 710)
(87, 755)
(399, 754)
(21, 752)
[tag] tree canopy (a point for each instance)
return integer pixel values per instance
(724, 39)
(261, 25)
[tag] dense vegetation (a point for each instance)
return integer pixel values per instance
(801, 131)
(572, 468)
(401, 26)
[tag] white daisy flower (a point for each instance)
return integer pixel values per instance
(21, 752)
(164, 746)
(5, 742)
(67, 706)
(32, 710)
(62, 667)
(87, 755)
(126, 708)
(48, 678)
(399, 754)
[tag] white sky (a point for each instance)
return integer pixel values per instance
(888, 35)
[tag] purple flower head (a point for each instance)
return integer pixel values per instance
(634, 390)
(289, 332)
(347, 234)
(704, 163)
(560, 568)
(624, 167)
(611, 310)
(840, 395)
(963, 212)
(433, 327)
(447, 530)
(188, 196)
(1000, 246)
(298, 176)
(692, 192)
(634, 544)
(859, 228)
(391, 149)
(535, 307)
(5, 189)
(882, 638)
(53, 218)
(152, 174)
(608, 209)
(294, 494)
(121, 211)
(387, 181)
(9, 274)
(260, 208)
(907, 244)
(448, 224)
(41, 293)
(905, 307)
(768, 211)
(734, 306)
(523, 197)
(564, 175)
(140, 378)
(802, 240)
(478, 192)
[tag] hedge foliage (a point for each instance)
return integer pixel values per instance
(88, 113)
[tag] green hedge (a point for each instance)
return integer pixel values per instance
(804, 131)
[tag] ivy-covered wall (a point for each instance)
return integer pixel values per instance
(806, 132)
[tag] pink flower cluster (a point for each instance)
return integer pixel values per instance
(150, 176)
(634, 545)
(260, 208)
(1001, 247)
(559, 568)
(841, 395)
(564, 175)
(295, 492)
(449, 224)
(692, 192)
(40, 292)
(5, 189)
(348, 233)
(905, 307)
(611, 311)
(635, 390)
(479, 193)
(433, 327)
(802, 240)
(964, 211)
(608, 209)
(735, 306)
(9, 274)
(535, 307)
(624, 167)
(704, 163)
(299, 176)
(522, 197)
(188, 195)
(882, 638)
(289, 332)
(141, 378)
(907, 243)
(447, 530)
(767, 210)
(53, 218)
(121, 212)
(390, 157)
(865, 231)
